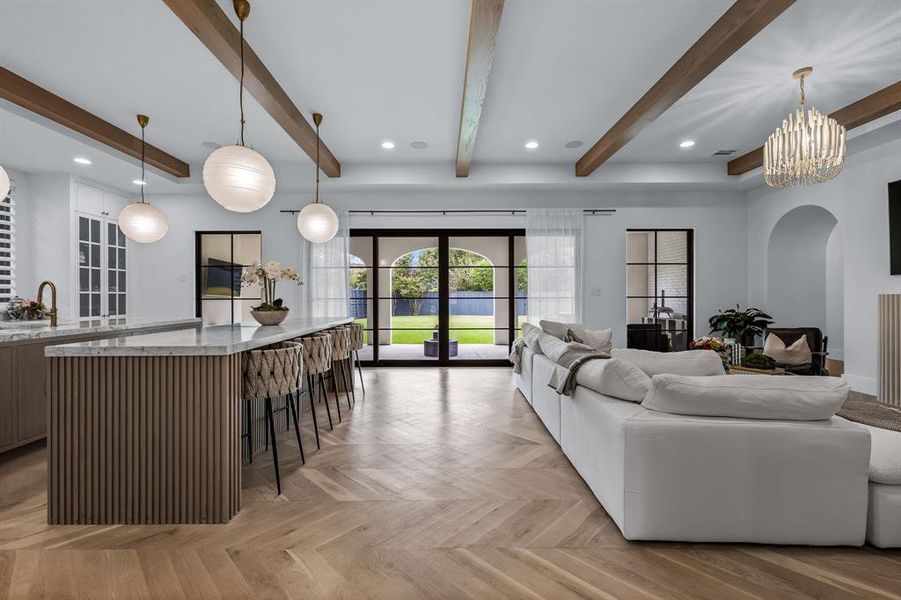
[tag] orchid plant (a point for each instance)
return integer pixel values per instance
(266, 276)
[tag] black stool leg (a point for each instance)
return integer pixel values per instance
(313, 408)
(271, 420)
(334, 378)
(296, 428)
(360, 371)
(324, 392)
(348, 377)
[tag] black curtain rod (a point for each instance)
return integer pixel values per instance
(515, 211)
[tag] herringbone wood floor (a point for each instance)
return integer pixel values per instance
(441, 483)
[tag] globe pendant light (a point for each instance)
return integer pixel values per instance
(808, 147)
(316, 221)
(4, 184)
(141, 221)
(237, 177)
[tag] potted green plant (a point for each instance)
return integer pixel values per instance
(272, 310)
(742, 325)
(24, 309)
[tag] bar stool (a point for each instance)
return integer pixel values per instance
(341, 351)
(268, 374)
(356, 340)
(317, 360)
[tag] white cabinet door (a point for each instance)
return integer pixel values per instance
(102, 265)
(112, 204)
(89, 200)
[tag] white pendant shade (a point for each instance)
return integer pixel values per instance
(239, 178)
(4, 183)
(142, 222)
(317, 222)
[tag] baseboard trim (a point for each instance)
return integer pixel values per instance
(866, 385)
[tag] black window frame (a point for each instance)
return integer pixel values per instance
(690, 273)
(442, 236)
(198, 269)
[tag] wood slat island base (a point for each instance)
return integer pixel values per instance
(138, 439)
(147, 429)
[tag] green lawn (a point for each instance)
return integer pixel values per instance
(421, 328)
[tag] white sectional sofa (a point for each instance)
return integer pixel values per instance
(664, 476)
(884, 516)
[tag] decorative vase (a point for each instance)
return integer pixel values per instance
(269, 317)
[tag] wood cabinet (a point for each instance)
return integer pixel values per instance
(23, 382)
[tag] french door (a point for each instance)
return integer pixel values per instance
(438, 297)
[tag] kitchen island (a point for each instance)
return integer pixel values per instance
(23, 368)
(146, 429)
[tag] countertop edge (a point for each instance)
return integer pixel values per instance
(25, 336)
(157, 349)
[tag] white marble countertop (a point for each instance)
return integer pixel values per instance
(9, 332)
(216, 340)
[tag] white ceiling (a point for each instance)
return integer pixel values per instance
(392, 70)
(854, 48)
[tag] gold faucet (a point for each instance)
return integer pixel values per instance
(52, 313)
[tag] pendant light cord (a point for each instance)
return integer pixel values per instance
(241, 92)
(802, 90)
(317, 163)
(143, 181)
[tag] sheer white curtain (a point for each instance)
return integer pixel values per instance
(554, 243)
(327, 282)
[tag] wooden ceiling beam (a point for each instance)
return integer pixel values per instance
(215, 30)
(878, 104)
(36, 99)
(741, 22)
(484, 21)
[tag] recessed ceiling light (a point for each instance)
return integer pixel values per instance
(82, 160)
(573, 144)
(531, 145)
(139, 182)
(687, 144)
(388, 145)
(419, 145)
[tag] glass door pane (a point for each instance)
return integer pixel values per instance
(221, 258)
(479, 297)
(407, 301)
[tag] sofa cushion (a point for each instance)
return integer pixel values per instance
(689, 362)
(615, 378)
(885, 455)
(531, 335)
(601, 339)
(797, 353)
(748, 396)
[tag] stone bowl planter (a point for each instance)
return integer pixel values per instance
(269, 317)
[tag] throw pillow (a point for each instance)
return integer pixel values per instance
(748, 396)
(601, 339)
(688, 362)
(615, 378)
(796, 354)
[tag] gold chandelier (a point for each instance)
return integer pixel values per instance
(808, 147)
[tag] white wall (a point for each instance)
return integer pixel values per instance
(858, 198)
(718, 218)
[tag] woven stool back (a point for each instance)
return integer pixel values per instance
(317, 353)
(341, 343)
(273, 372)
(356, 335)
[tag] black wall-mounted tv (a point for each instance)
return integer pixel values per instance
(894, 226)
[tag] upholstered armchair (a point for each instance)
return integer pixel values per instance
(817, 342)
